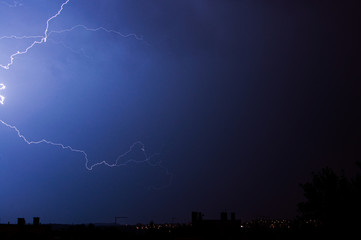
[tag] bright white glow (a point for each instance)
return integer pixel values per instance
(43, 39)
(122, 159)
(2, 98)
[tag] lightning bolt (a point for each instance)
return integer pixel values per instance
(47, 33)
(116, 163)
(139, 146)
(95, 30)
(42, 39)
(19, 37)
(2, 98)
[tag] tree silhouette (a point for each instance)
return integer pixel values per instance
(333, 201)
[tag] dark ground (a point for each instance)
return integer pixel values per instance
(169, 231)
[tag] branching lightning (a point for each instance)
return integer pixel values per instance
(47, 33)
(116, 163)
(139, 146)
(42, 39)
(95, 30)
(19, 37)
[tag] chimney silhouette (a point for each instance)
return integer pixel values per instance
(197, 217)
(233, 216)
(21, 221)
(36, 220)
(224, 216)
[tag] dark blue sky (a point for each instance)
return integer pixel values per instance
(237, 102)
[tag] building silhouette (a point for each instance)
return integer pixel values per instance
(21, 221)
(226, 224)
(36, 221)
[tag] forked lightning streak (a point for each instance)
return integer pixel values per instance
(41, 39)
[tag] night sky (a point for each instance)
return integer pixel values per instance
(235, 104)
